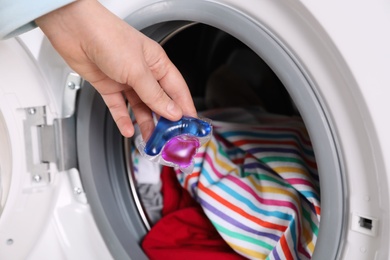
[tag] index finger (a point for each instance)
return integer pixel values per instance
(169, 78)
(175, 86)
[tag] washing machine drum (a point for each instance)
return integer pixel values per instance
(61, 150)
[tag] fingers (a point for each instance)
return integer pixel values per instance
(142, 113)
(175, 86)
(169, 77)
(150, 92)
(114, 95)
(161, 89)
(118, 109)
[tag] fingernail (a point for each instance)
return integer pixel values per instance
(127, 132)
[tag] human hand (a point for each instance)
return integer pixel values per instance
(120, 62)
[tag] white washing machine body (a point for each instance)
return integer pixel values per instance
(333, 58)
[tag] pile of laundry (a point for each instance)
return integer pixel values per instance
(254, 192)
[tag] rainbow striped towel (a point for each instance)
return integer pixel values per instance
(257, 182)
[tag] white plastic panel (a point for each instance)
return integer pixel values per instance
(5, 163)
(26, 208)
(40, 220)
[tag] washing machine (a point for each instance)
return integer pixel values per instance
(66, 186)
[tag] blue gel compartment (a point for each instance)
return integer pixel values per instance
(166, 130)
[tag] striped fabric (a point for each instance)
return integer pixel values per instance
(258, 184)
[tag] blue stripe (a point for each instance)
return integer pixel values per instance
(293, 225)
(309, 194)
(194, 187)
(275, 253)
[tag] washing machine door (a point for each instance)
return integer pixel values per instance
(44, 213)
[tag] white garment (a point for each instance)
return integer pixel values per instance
(17, 16)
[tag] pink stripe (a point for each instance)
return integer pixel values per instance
(300, 181)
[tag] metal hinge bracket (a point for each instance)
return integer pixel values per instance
(55, 143)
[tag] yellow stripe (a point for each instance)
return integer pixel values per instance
(248, 252)
(311, 246)
(274, 190)
(228, 167)
(287, 169)
(308, 235)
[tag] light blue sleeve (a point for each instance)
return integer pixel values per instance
(17, 16)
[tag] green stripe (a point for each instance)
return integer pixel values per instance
(282, 159)
(263, 177)
(241, 236)
(306, 215)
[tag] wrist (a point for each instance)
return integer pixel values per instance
(62, 19)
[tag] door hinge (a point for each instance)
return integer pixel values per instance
(55, 143)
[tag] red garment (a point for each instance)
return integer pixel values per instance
(184, 232)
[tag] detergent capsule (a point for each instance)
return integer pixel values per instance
(175, 143)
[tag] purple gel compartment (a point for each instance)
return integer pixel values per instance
(181, 150)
